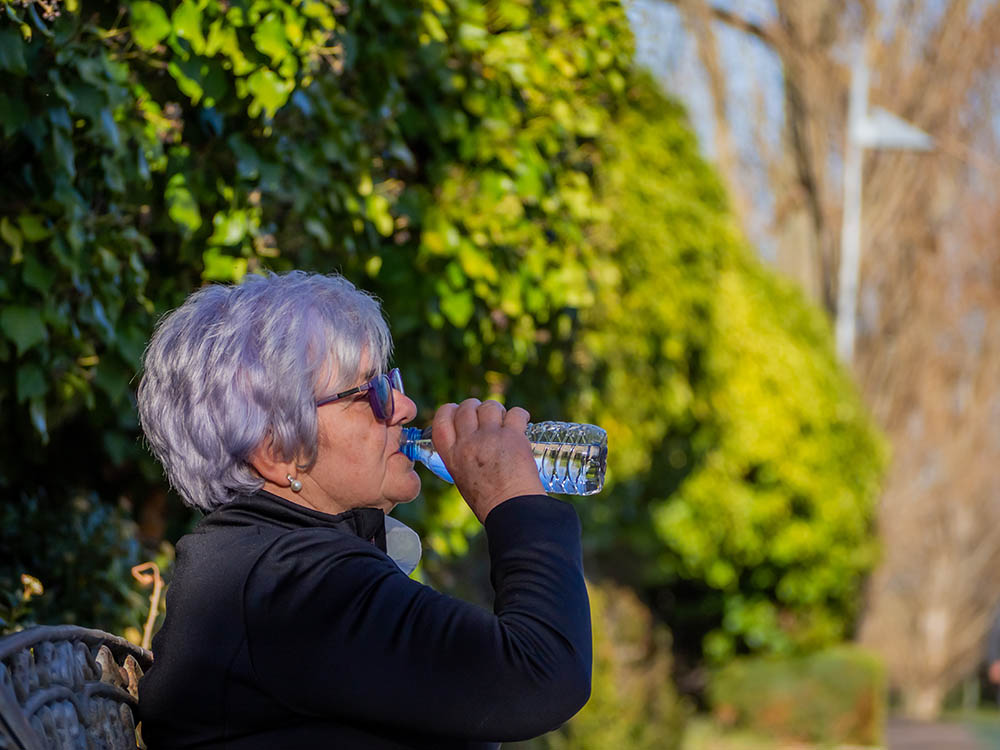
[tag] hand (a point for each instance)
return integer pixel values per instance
(487, 453)
(994, 672)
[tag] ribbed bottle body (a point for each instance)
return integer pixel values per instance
(571, 457)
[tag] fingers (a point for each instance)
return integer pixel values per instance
(466, 419)
(491, 414)
(443, 432)
(517, 418)
(473, 414)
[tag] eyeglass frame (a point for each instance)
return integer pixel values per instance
(395, 380)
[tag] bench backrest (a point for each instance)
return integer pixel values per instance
(64, 687)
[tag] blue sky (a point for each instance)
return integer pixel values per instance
(754, 79)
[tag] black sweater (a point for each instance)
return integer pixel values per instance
(291, 628)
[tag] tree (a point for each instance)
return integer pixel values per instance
(534, 215)
(928, 300)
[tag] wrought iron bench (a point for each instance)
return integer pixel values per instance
(65, 687)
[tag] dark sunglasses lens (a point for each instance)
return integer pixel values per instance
(381, 397)
(396, 379)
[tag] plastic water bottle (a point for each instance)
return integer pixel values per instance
(571, 458)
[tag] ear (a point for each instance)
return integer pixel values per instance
(269, 466)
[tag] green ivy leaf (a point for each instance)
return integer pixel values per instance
(150, 24)
(270, 92)
(458, 307)
(23, 326)
(32, 227)
(31, 382)
(219, 267)
(12, 52)
(181, 205)
(10, 235)
(185, 82)
(230, 227)
(62, 146)
(270, 39)
(187, 25)
(37, 275)
(14, 114)
(378, 213)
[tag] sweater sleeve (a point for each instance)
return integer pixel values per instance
(336, 630)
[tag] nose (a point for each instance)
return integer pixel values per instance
(405, 410)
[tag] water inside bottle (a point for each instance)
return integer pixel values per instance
(571, 458)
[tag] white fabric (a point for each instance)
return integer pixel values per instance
(402, 544)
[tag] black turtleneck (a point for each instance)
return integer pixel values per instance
(291, 628)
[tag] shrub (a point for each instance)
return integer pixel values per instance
(834, 696)
(633, 703)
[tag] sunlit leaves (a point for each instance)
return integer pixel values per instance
(181, 204)
(149, 23)
(269, 92)
(186, 22)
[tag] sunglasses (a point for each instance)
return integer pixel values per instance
(379, 389)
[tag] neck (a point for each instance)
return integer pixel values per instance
(310, 498)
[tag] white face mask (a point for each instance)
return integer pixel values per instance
(402, 544)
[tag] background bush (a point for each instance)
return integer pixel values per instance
(533, 213)
(836, 696)
(633, 702)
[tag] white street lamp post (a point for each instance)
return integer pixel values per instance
(875, 129)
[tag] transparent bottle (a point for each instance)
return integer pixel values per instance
(571, 457)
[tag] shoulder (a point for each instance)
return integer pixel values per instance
(317, 557)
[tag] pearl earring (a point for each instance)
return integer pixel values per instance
(294, 484)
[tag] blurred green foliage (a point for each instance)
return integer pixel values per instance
(534, 215)
(80, 555)
(746, 467)
(835, 697)
(633, 702)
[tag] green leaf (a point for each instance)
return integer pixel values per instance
(62, 145)
(32, 227)
(270, 92)
(185, 82)
(23, 326)
(458, 308)
(378, 213)
(219, 267)
(12, 52)
(31, 382)
(181, 205)
(10, 235)
(38, 276)
(270, 39)
(150, 24)
(187, 25)
(13, 114)
(230, 228)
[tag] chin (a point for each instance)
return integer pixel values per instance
(410, 492)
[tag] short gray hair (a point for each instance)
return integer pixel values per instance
(235, 366)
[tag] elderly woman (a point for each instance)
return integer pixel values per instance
(291, 620)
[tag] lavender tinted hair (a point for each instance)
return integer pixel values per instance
(237, 365)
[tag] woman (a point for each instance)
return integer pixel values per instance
(289, 625)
